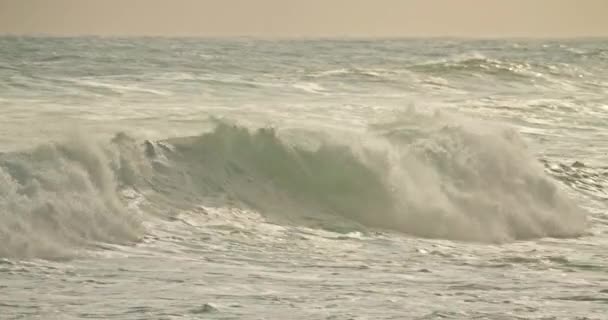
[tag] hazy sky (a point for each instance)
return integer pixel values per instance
(310, 18)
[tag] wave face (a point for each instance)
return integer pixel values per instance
(60, 197)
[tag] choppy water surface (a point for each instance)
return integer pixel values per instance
(247, 179)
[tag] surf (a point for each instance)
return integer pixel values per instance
(425, 175)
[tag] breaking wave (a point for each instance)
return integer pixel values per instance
(434, 176)
(431, 176)
(59, 197)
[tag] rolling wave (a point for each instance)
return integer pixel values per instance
(434, 176)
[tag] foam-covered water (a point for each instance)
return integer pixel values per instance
(197, 178)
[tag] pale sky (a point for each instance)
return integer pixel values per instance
(310, 18)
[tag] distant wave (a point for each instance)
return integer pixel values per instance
(115, 87)
(309, 87)
(57, 58)
(477, 64)
(372, 73)
(594, 53)
(426, 175)
(312, 82)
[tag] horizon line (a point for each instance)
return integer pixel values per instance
(303, 37)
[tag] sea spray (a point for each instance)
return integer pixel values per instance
(60, 197)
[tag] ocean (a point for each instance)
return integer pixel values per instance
(202, 178)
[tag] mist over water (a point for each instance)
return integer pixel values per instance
(237, 178)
